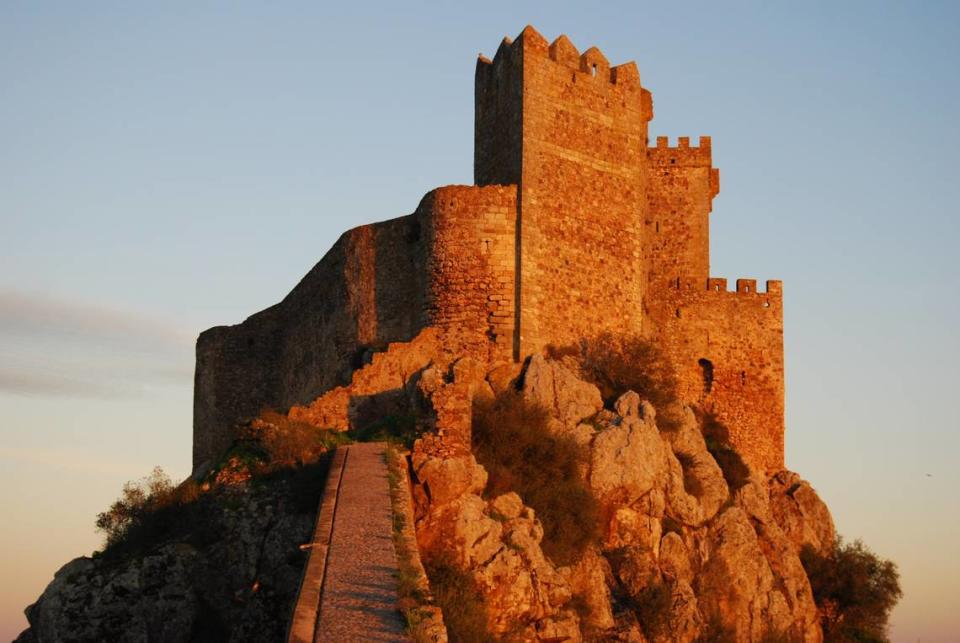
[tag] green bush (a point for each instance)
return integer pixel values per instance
(617, 364)
(460, 600)
(151, 510)
(511, 439)
(854, 589)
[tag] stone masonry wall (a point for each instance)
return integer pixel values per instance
(727, 348)
(680, 191)
(471, 233)
(582, 182)
(448, 265)
(366, 291)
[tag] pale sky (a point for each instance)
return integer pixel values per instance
(167, 167)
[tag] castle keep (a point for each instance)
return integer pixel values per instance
(576, 224)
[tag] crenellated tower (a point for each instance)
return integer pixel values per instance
(570, 131)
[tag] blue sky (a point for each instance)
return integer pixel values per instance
(167, 167)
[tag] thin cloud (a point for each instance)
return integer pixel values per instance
(50, 384)
(61, 348)
(37, 315)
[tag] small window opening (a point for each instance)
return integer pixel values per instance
(766, 304)
(678, 312)
(717, 287)
(673, 161)
(746, 289)
(593, 70)
(743, 378)
(658, 226)
(706, 367)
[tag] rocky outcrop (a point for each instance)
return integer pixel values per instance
(232, 577)
(681, 554)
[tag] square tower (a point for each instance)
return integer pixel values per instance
(571, 133)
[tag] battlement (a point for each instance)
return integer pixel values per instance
(745, 286)
(592, 63)
(683, 154)
(774, 287)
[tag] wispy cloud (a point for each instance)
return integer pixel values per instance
(25, 383)
(57, 347)
(33, 315)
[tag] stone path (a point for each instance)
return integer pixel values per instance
(358, 599)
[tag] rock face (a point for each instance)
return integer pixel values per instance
(237, 581)
(681, 554)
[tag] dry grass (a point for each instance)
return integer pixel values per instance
(512, 441)
(619, 363)
(460, 599)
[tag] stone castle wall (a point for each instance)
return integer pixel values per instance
(575, 227)
(727, 348)
(448, 265)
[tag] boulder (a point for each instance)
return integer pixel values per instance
(568, 398)
(803, 516)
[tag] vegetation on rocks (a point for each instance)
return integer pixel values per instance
(854, 589)
(619, 363)
(456, 593)
(513, 442)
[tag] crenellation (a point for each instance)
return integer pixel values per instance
(564, 52)
(575, 226)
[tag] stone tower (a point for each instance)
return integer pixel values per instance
(570, 132)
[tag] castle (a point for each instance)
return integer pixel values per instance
(576, 224)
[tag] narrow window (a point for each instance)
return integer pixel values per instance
(678, 312)
(593, 71)
(706, 367)
(743, 378)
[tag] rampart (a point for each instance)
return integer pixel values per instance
(727, 347)
(576, 226)
(448, 265)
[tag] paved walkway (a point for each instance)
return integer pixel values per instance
(358, 601)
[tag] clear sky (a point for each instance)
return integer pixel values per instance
(166, 167)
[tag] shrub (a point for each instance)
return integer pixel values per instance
(617, 364)
(290, 443)
(854, 589)
(460, 600)
(511, 439)
(717, 437)
(150, 510)
(402, 429)
(652, 606)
